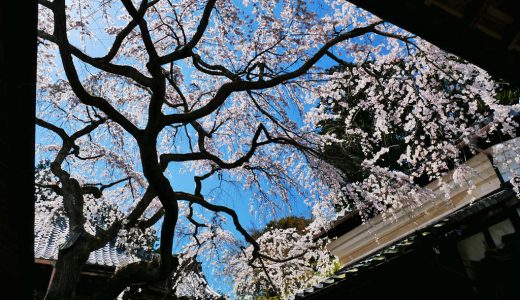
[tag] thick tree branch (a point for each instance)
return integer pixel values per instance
(69, 146)
(199, 179)
(238, 226)
(59, 131)
(403, 38)
(143, 27)
(236, 86)
(219, 208)
(102, 187)
(186, 50)
(158, 85)
(217, 70)
(340, 61)
(87, 129)
(101, 63)
(48, 4)
(118, 41)
(143, 224)
(162, 187)
(60, 32)
(139, 209)
(167, 158)
(73, 203)
(54, 187)
(135, 273)
(131, 220)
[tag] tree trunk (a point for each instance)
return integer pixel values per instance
(137, 273)
(67, 271)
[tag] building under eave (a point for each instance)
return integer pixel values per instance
(459, 245)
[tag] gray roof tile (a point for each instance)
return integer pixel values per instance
(49, 236)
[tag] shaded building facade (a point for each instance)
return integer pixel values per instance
(463, 245)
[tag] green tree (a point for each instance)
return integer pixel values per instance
(300, 223)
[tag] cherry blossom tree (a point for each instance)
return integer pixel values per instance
(408, 120)
(390, 126)
(310, 262)
(223, 91)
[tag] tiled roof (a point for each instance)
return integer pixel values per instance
(400, 248)
(49, 236)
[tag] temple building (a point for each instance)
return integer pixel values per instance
(462, 244)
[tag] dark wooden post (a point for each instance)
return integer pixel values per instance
(18, 21)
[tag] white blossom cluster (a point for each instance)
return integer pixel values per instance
(311, 263)
(430, 101)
